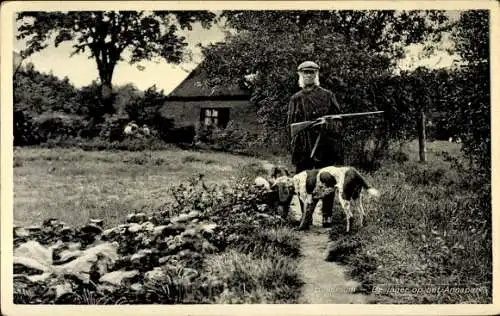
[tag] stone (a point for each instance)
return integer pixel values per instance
(136, 287)
(158, 230)
(110, 232)
(91, 229)
(134, 228)
(194, 214)
(182, 218)
(163, 260)
(34, 228)
(157, 274)
(117, 277)
(141, 217)
(21, 232)
(189, 233)
(208, 228)
(148, 226)
(99, 222)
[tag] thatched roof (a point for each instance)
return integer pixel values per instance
(193, 87)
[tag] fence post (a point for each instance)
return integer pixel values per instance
(422, 149)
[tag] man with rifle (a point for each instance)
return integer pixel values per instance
(311, 103)
(315, 129)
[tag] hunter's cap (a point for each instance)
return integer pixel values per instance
(308, 65)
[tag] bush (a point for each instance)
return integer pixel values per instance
(26, 131)
(239, 140)
(59, 126)
(179, 135)
(112, 128)
(145, 110)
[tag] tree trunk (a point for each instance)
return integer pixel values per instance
(107, 97)
(422, 150)
(106, 69)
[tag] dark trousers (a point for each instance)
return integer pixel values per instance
(328, 200)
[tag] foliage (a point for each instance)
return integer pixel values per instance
(90, 104)
(145, 110)
(385, 31)
(26, 131)
(471, 100)
(159, 258)
(108, 35)
(354, 66)
(112, 128)
(232, 138)
(59, 126)
(183, 135)
(37, 92)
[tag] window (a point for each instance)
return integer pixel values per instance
(218, 117)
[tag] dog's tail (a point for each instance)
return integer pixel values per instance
(371, 190)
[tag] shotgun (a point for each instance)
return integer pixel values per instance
(296, 128)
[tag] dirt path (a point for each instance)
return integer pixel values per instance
(325, 282)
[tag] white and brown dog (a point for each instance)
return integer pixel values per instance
(312, 185)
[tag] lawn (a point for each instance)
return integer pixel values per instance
(75, 185)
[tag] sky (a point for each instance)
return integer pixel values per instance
(81, 70)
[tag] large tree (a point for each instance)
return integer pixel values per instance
(471, 94)
(109, 36)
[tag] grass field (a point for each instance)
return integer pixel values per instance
(424, 230)
(75, 185)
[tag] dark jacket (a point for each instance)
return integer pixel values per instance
(309, 105)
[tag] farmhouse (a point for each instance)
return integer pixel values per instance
(194, 104)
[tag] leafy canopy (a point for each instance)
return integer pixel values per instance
(356, 50)
(386, 31)
(107, 34)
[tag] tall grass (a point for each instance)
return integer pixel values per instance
(427, 229)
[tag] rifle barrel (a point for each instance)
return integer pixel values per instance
(360, 113)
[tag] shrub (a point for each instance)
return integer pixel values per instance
(236, 139)
(145, 110)
(59, 126)
(112, 128)
(26, 131)
(179, 135)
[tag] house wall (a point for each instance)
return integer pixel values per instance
(188, 112)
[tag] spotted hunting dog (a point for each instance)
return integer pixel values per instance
(312, 185)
